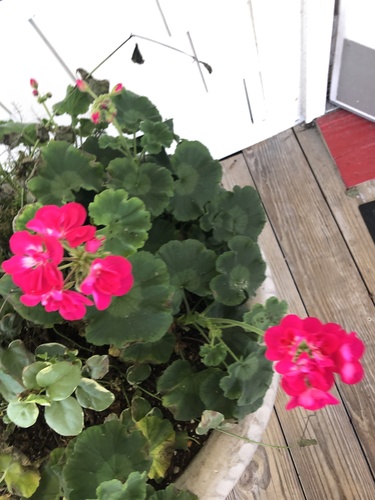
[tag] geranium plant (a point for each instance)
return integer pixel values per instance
(129, 264)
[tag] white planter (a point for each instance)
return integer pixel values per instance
(216, 469)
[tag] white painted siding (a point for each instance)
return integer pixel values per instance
(278, 50)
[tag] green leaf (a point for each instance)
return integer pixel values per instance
(161, 232)
(161, 437)
(22, 413)
(132, 109)
(235, 213)
(151, 183)
(49, 487)
(25, 215)
(191, 267)
(126, 221)
(141, 315)
(35, 314)
(15, 358)
(242, 271)
(150, 352)
(51, 350)
(198, 180)
(60, 379)
(115, 143)
(209, 420)
(213, 355)
(171, 493)
(139, 408)
(9, 387)
(103, 453)
(179, 385)
(134, 488)
(20, 480)
(30, 372)
(75, 102)
(212, 394)
(10, 326)
(156, 136)
(38, 399)
(248, 379)
(92, 395)
(97, 366)
(138, 373)
(63, 171)
(267, 315)
(14, 133)
(65, 417)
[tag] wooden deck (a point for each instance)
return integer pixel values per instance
(323, 262)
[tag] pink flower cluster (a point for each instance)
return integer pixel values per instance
(38, 263)
(308, 354)
(103, 110)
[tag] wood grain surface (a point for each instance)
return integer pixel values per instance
(313, 244)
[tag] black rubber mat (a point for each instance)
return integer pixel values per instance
(368, 213)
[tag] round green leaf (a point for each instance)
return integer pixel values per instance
(234, 213)
(30, 372)
(65, 417)
(75, 102)
(63, 171)
(60, 379)
(138, 373)
(22, 414)
(242, 271)
(97, 366)
(20, 480)
(156, 136)
(213, 355)
(210, 420)
(51, 350)
(132, 109)
(126, 221)
(103, 453)
(10, 388)
(92, 395)
(151, 183)
(14, 359)
(212, 394)
(198, 180)
(141, 315)
(190, 265)
(150, 352)
(179, 385)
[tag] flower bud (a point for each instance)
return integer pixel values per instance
(33, 83)
(82, 85)
(95, 117)
(117, 88)
(35, 92)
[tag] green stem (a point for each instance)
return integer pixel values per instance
(148, 393)
(50, 116)
(251, 440)
(72, 341)
(126, 149)
(228, 323)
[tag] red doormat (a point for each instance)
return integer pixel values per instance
(351, 142)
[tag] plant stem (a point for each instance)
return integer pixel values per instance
(251, 440)
(72, 341)
(228, 323)
(148, 393)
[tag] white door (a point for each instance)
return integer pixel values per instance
(353, 73)
(269, 60)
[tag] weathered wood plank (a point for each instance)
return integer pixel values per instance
(279, 478)
(321, 267)
(344, 207)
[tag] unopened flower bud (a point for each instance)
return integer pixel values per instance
(82, 85)
(35, 92)
(95, 117)
(33, 83)
(117, 88)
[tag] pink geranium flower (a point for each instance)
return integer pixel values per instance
(111, 276)
(64, 223)
(312, 399)
(71, 305)
(347, 359)
(34, 266)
